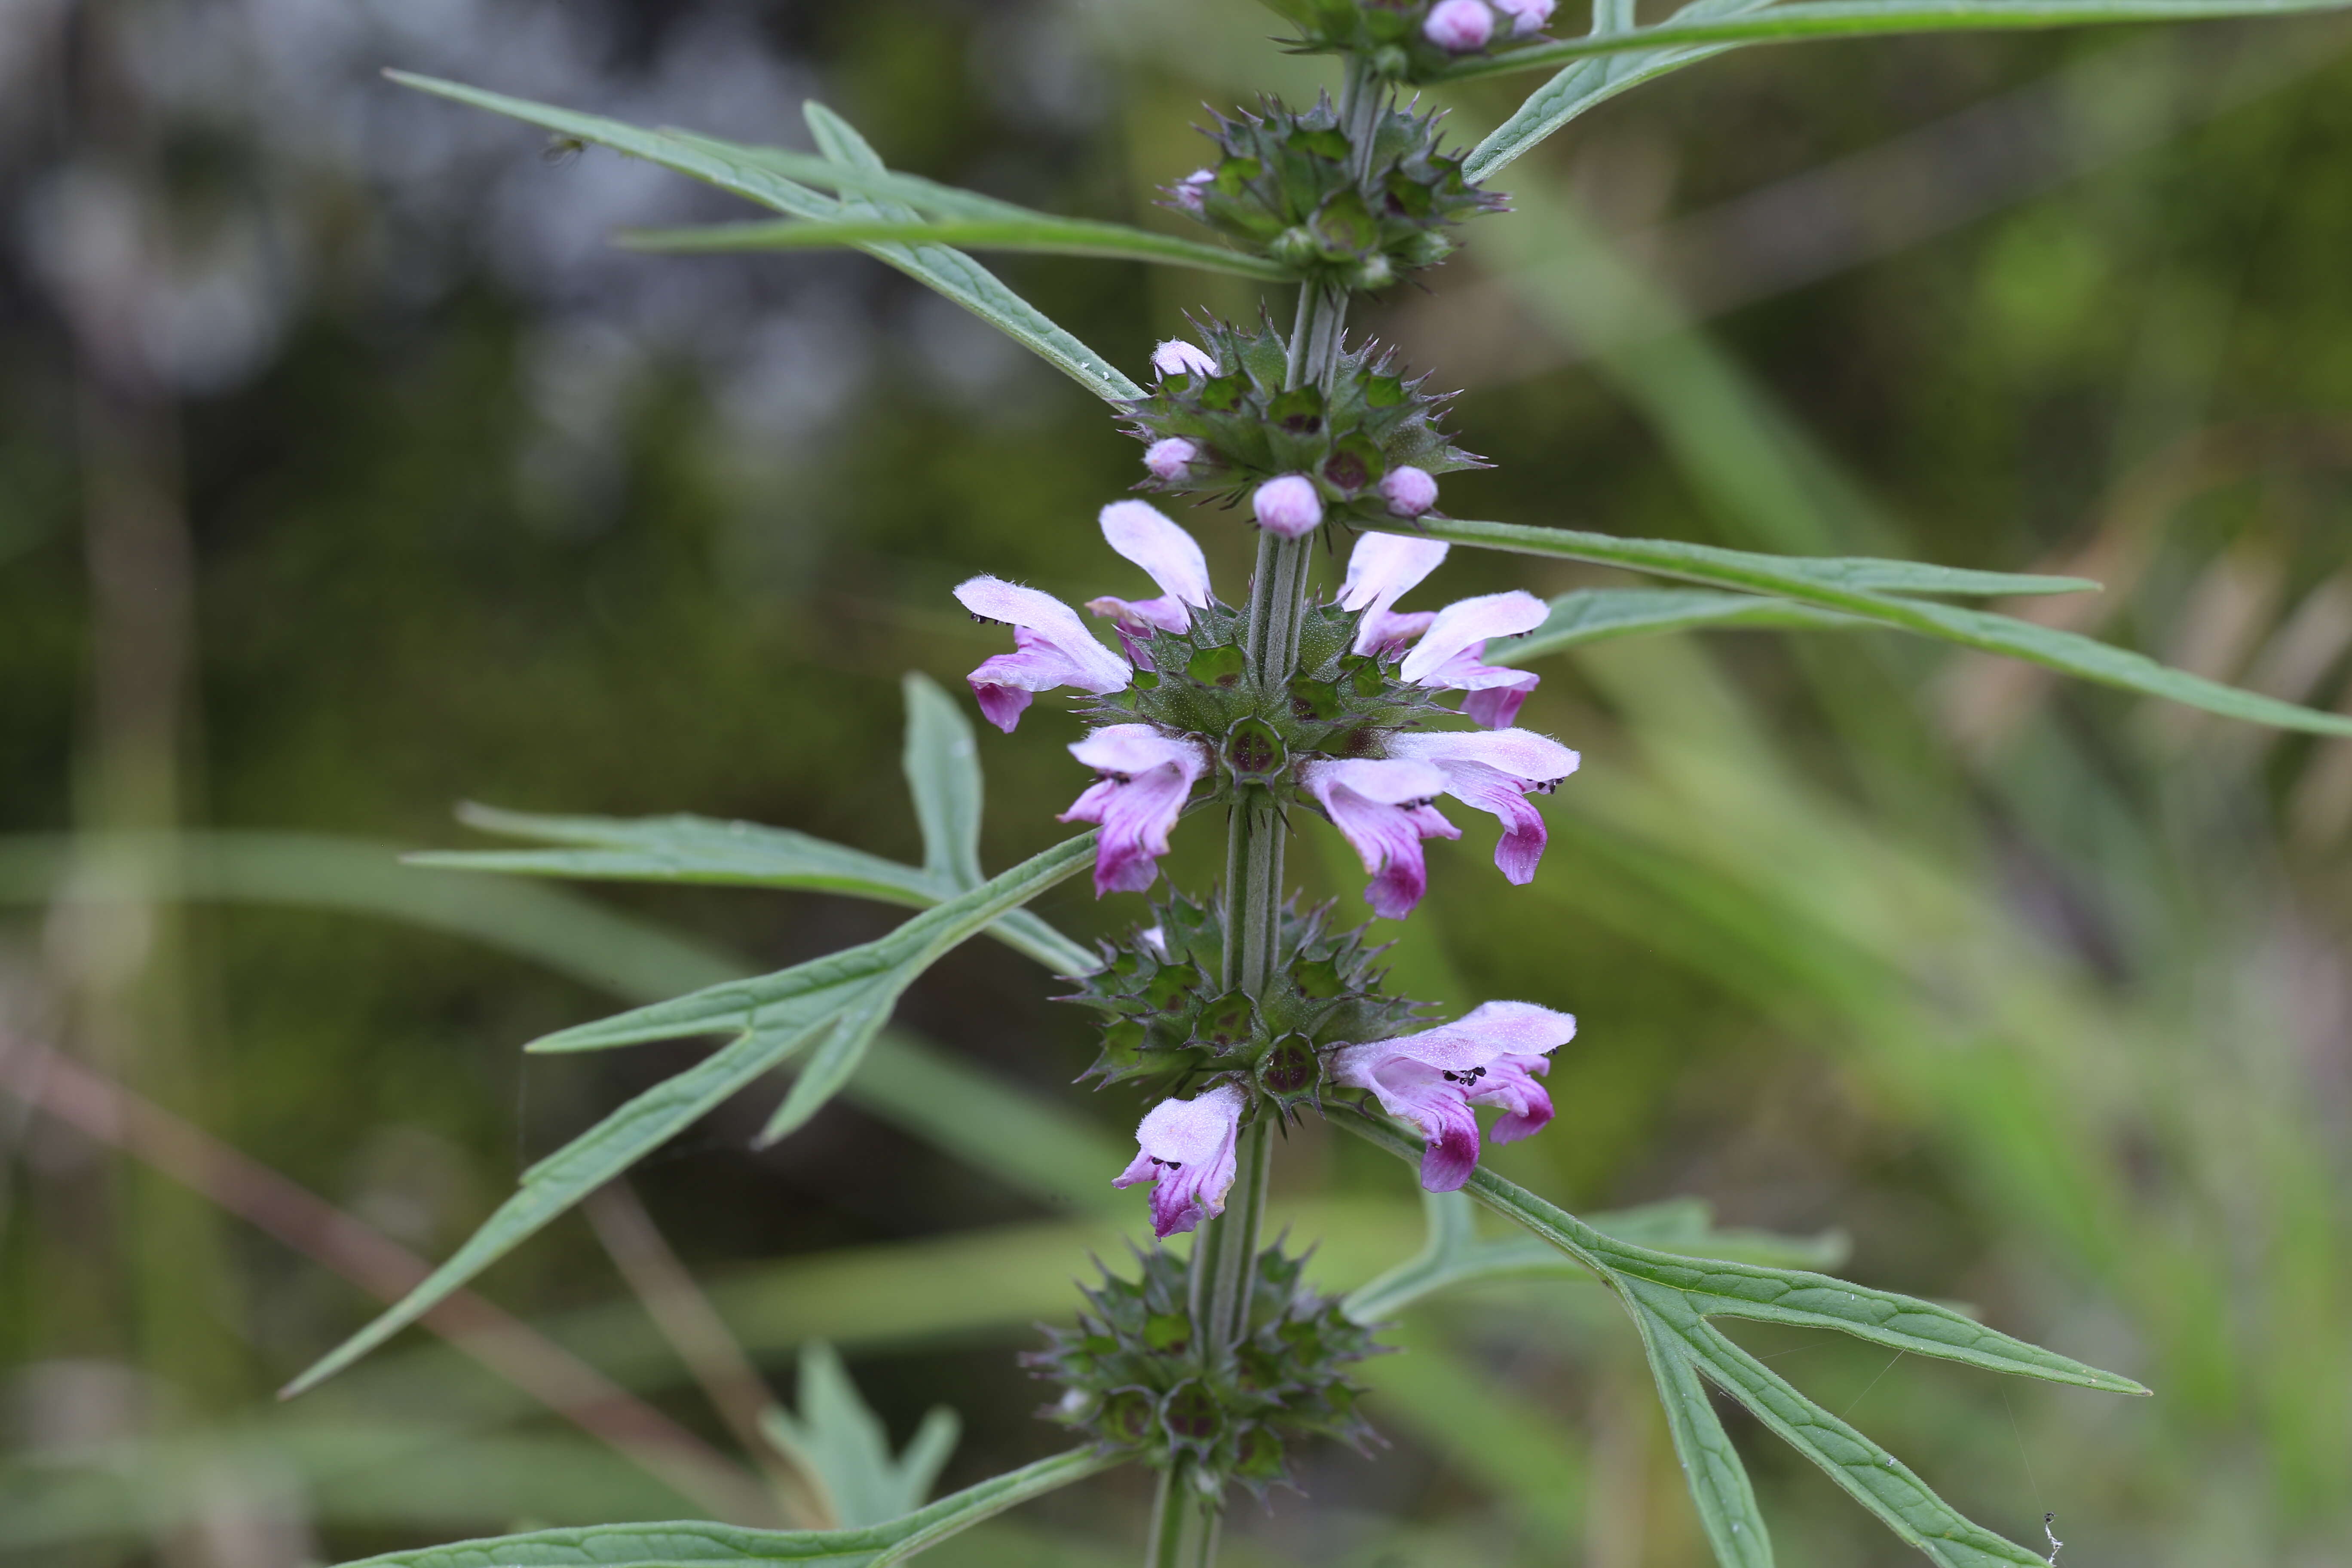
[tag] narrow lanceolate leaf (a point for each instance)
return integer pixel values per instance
(693, 1542)
(682, 848)
(941, 761)
(1802, 19)
(1796, 578)
(1586, 84)
(1718, 1482)
(1599, 615)
(812, 1007)
(1873, 1477)
(1041, 233)
(738, 170)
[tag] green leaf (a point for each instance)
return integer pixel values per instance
(684, 848)
(690, 1542)
(1588, 84)
(1672, 1297)
(942, 766)
(1825, 583)
(1718, 1482)
(835, 1438)
(1598, 615)
(738, 170)
(1802, 19)
(832, 1004)
(1040, 233)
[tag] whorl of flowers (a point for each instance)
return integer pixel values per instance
(1413, 40)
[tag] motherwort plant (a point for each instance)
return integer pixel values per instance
(1230, 1010)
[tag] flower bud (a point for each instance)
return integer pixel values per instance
(1186, 192)
(1527, 16)
(1288, 505)
(1178, 357)
(1167, 459)
(1410, 491)
(1459, 27)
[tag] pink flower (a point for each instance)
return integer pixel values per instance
(1143, 533)
(1187, 191)
(1142, 779)
(1527, 16)
(1382, 809)
(1495, 771)
(1410, 491)
(1289, 506)
(1452, 642)
(1433, 1077)
(1459, 27)
(1178, 357)
(1167, 459)
(1051, 647)
(1187, 1154)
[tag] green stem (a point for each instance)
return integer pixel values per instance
(1184, 1527)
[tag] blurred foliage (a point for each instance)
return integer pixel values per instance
(2037, 992)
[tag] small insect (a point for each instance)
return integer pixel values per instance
(2050, 1529)
(562, 149)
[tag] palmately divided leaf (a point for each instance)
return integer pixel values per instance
(1719, 1488)
(831, 1006)
(694, 1542)
(835, 1436)
(1827, 583)
(735, 169)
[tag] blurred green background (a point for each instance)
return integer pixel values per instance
(346, 474)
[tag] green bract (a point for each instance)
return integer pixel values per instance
(1167, 1018)
(1249, 425)
(1293, 185)
(1134, 1379)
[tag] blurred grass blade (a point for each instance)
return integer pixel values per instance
(942, 765)
(836, 1438)
(1803, 19)
(721, 164)
(1040, 233)
(1797, 578)
(846, 995)
(1598, 615)
(1588, 84)
(690, 1541)
(1869, 1474)
(1719, 1488)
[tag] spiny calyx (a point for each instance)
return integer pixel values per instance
(1169, 1017)
(1133, 1379)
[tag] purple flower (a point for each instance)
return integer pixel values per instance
(1433, 1077)
(1381, 568)
(1176, 356)
(1142, 779)
(1289, 506)
(1187, 1154)
(1382, 809)
(1410, 491)
(1527, 16)
(1143, 533)
(1459, 25)
(1448, 654)
(1051, 647)
(1187, 191)
(1168, 459)
(1494, 771)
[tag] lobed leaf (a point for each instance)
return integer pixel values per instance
(1598, 615)
(738, 170)
(1827, 583)
(835, 1436)
(693, 1542)
(1037, 232)
(831, 1005)
(1719, 1488)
